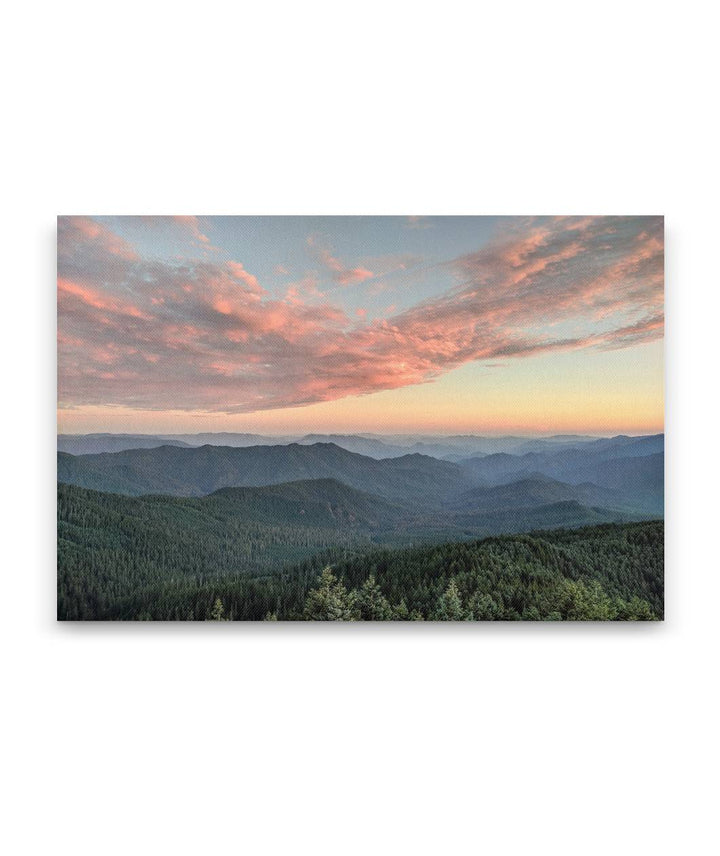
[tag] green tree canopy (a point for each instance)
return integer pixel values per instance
(330, 601)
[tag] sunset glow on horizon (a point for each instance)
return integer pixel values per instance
(538, 325)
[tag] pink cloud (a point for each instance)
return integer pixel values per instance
(192, 224)
(93, 237)
(201, 336)
(304, 289)
(95, 299)
(248, 280)
(341, 273)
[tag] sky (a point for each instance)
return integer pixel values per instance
(284, 325)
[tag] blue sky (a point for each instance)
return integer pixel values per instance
(382, 244)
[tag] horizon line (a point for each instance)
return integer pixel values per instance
(302, 434)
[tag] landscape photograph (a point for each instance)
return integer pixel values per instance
(371, 418)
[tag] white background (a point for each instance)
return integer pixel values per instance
(344, 740)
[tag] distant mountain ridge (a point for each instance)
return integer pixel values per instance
(198, 471)
(566, 456)
(533, 491)
(605, 478)
(448, 447)
(92, 444)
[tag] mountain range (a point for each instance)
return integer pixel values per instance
(450, 447)
(416, 479)
(622, 475)
(167, 521)
(635, 468)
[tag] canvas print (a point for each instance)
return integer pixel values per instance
(408, 418)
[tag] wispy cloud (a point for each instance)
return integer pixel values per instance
(203, 336)
(81, 239)
(186, 226)
(192, 224)
(247, 279)
(340, 272)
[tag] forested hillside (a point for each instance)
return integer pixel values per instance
(238, 555)
(605, 573)
(165, 531)
(110, 545)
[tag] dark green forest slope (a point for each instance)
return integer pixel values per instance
(249, 554)
(110, 545)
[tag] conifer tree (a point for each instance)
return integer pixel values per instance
(330, 601)
(371, 604)
(218, 611)
(449, 606)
